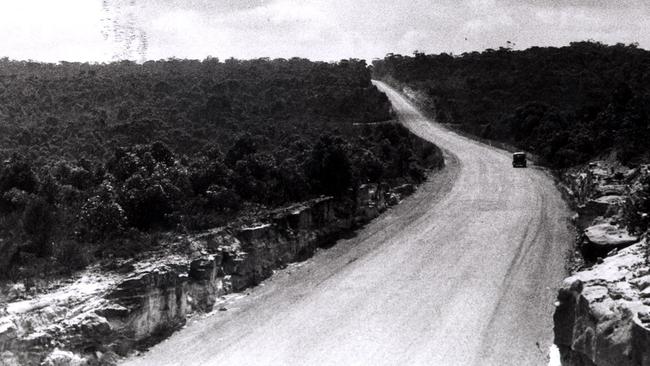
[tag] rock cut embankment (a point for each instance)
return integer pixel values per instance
(602, 315)
(103, 315)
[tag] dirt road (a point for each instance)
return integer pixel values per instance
(461, 273)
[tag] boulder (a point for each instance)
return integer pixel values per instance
(205, 268)
(602, 206)
(404, 190)
(601, 316)
(392, 199)
(609, 200)
(8, 331)
(8, 358)
(611, 189)
(603, 238)
(93, 325)
(15, 292)
(63, 358)
(113, 311)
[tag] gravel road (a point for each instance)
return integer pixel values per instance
(464, 272)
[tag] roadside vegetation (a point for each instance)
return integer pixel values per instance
(566, 105)
(97, 160)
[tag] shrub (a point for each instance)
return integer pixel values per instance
(16, 173)
(161, 153)
(101, 217)
(329, 168)
(146, 201)
(38, 222)
(370, 167)
(204, 172)
(71, 255)
(636, 211)
(220, 198)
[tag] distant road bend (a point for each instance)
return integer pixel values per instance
(463, 272)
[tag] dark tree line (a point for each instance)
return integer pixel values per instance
(98, 159)
(85, 110)
(567, 105)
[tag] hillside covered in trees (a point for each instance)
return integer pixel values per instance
(97, 159)
(567, 105)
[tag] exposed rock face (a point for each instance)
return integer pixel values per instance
(598, 190)
(603, 206)
(150, 301)
(603, 313)
(103, 315)
(63, 358)
(603, 238)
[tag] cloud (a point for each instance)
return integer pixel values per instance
(604, 4)
(51, 31)
(208, 6)
(317, 29)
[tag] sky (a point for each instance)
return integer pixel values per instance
(328, 30)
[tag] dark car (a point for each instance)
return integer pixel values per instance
(519, 160)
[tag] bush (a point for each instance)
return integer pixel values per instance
(71, 255)
(292, 183)
(222, 199)
(329, 168)
(147, 202)
(161, 153)
(370, 167)
(636, 211)
(16, 173)
(38, 223)
(101, 217)
(204, 172)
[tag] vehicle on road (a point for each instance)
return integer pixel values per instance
(519, 160)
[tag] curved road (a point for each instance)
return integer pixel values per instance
(463, 272)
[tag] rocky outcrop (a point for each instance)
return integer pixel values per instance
(598, 190)
(601, 239)
(102, 315)
(603, 314)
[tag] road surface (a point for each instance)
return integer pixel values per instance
(463, 272)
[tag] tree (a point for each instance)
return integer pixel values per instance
(17, 173)
(329, 168)
(38, 222)
(101, 216)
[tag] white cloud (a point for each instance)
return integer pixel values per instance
(51, 30)
(318, 29)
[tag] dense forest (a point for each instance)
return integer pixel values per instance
(98, 158)
(566, 105)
